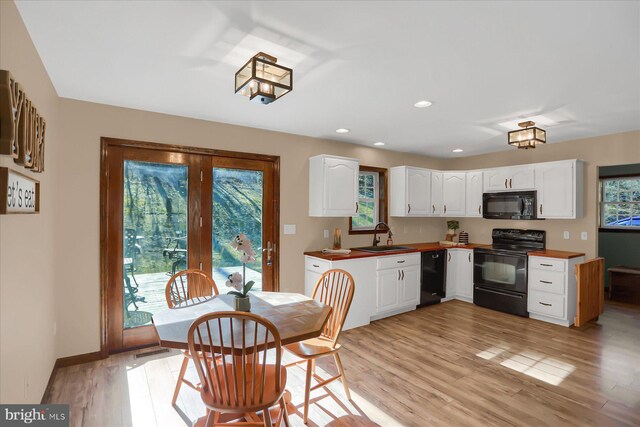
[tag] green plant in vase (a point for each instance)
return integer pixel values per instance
(236, 280)
(452, 226)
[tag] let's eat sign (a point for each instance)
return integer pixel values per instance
(18, 193)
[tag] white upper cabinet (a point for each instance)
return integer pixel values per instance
(333, 186)
(474, 194)
(560, 188)
(510, 178)
(453, 195)
(410, 190)
(437, 195)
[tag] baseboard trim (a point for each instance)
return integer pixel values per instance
(69, 361)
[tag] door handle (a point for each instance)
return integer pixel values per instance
(521, 206)
(270, 249)
(510, 183)
(505, 183)
(409, 208)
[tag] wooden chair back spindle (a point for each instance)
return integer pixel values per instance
(230, 354)
(189, 284)
(335, 288)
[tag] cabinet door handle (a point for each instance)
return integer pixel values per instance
(445, 208)
(469, 257)
(398, 274)
(409, 208)
(479, 207)
(433, 208)
(402, 274)
(505, 183)
(546, 265)
(401, 261)
(540, 208)
(316, 265)
(449, 254)
(544, 303)
(548, 283)
(510, 183)
(357, 207)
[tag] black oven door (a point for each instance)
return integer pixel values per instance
(500, 270)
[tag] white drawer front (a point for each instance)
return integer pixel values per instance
(548, 264)
(546, 303)
(398, 261)
(317, 265)
(547, 281)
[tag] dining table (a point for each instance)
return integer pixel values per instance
(296, 316)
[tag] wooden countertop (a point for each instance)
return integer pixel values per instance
(549, 253)
(415, 247)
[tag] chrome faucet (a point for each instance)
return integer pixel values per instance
(376, 239)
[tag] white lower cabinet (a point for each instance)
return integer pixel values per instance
(460, 274)
(397, 284)
(363, 271)
(552, 294)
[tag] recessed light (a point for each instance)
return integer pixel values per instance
(458, 150)
(379, 144)
(342, 130)
(422, 104)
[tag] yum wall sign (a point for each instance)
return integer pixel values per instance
(22, 128)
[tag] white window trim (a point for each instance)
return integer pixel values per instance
(603, 203)
(375, 200)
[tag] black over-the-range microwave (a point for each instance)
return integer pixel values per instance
(509, 205)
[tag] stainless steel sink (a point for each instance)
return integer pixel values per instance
(378, 249)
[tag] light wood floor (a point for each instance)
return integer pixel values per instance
(445, 365)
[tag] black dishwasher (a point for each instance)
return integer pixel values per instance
(432, 278)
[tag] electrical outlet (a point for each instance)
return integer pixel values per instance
(289, 229)
(584, 236)
(565, 235)
(326, 234)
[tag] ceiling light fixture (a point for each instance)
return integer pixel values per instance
(527, 137)
(262, 80)
(379, 144)
(458, 150)
(342, 130)
(422, 104)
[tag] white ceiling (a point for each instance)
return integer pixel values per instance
(358, 65)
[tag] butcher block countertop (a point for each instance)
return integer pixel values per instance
(415, 247)
(549, 253)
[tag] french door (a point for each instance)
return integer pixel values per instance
(167, 208)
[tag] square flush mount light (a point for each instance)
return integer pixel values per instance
(527, 137)
(262, 80)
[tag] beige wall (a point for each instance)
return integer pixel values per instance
(27, 242)
(85, 123)
(606, 150)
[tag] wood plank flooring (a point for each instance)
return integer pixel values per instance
(453, 364)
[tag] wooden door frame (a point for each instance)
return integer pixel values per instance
(105, 144)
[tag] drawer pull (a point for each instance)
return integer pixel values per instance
(316, 265)
(544, 303)
(547, 265)
(548, 283)
(401, 261)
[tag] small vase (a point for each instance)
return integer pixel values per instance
(242, 304)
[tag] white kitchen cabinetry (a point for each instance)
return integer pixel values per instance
(560, 189)
(474, 194)
(397, 284)
(510, 178)
(460, 274)
(363, 271)
(453, 194)
(333, 186)
(437, 195)
(410, 190)
(552, 289)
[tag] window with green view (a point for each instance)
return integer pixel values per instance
(620, 202)
(368, 201)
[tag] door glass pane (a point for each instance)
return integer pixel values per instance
(237, 209)
(154, 236)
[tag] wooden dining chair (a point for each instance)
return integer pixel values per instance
(182, 288)
(334, 288)
(230, 353)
